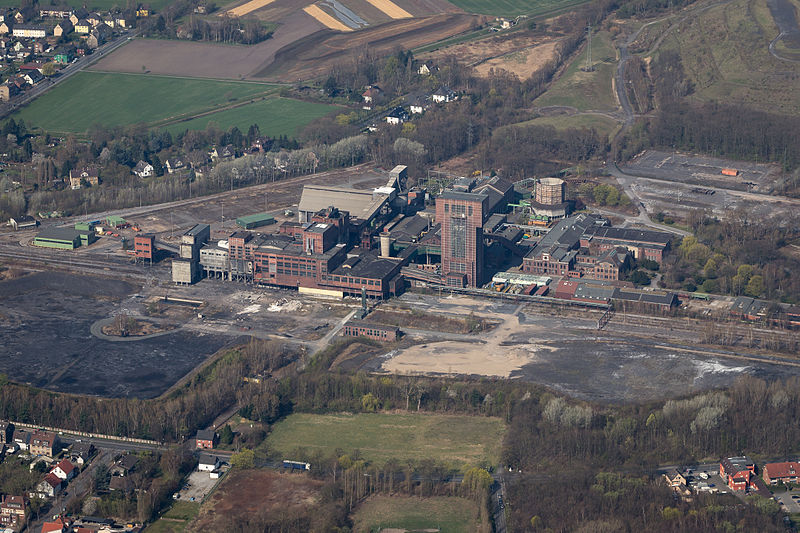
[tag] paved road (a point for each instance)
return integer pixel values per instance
(65, 73)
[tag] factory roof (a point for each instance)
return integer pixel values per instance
(649, 297)
(466, 196)
(197, 229)
(366, 265)
(354, 322)
(592, 291)
(565, 235)
(360, 204)
(629, 235)
(257, 217)
(409, 228)
(59, 234)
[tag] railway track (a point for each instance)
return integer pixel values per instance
(79, 264)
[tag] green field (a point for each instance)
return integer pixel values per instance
(121, 99)
(586, 90)
(274, 116)
(175, 519)
(456, 440)
(725, 54)
(447, 515)
(512, 8)
(601, 123)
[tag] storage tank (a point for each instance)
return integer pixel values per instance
(386, 244)
(550, 191)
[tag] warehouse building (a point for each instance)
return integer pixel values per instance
(378, 332)
(255, 221)
(61, 238)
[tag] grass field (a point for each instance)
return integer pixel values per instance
(274, 116)
(175, 519)
(447, 515)
(512, 8)
(586, 90)
(600, 123)
(113, 99)
(725, 55)
(456, 440)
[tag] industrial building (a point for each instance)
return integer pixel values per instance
(186, 269)
(255, 221)
(378, 332)
(66, 238)
(549, 198)
(144, 246)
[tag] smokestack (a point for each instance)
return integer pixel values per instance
(386, 244)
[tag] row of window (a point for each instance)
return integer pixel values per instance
(360, 281)
(367, 331)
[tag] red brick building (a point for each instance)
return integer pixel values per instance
(378, 332)
(461, 215)
(781, 472)
(144, 246)
(738, 472)
(205, 439)
(12, 511)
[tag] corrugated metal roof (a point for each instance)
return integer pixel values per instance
(360, 204)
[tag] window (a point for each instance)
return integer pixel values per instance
(458, 237)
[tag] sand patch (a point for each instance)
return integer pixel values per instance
(326, 19)
(391, 9)
(524, 63)
(249, 7)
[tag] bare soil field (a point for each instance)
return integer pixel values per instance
(315, 54)
(255, 492)
(524, 63)
(519, 54)
(207, 60)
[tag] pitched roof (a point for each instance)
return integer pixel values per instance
(59, 524)
(788, 469)
(205, 434)
(128, 461)
(208, 459)
(66, 466)
(52, 480)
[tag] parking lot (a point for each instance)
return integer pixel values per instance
(702, 170)
(199, 484)
(789, 504)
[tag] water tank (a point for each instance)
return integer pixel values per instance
(550, 191)
(386, 244)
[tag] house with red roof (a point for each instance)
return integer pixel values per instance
(59, 525)
(781, 472)
(49, 486)
(64, 470)
(738, 472)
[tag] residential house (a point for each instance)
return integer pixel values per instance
(7, 91)
(29, 31)
(62, 57)
(86, 174)
(78, 15)
(125, 465)
(7, 428)
(174, 164)
(371, 96)
(143, 11)
(425, 69)
(224, 153)
(398, 115)
(205, 439)
(143, 169)
(63, 28)
(12, 511)
(417, 104)
(22, 439)
(49, 486)
(19, 17)
(121, 483)
(674, 478)
(208, 462)
(58, 525)
(781, 472)
(98, 36)
(81, 453)
(64, 470)
(43, 443)
(32, 77)
(83, 27)
(56, 12)
(737, 472)
(6, 27)
(122, 21)
(443, 94)
(95, 19)
(109, 21)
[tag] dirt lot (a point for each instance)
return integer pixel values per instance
(519, 54)
(207, 60)
(624, 362)
(252, 492)
(315, 54)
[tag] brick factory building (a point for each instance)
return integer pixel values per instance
(378, 332)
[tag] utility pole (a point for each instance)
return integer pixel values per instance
(589, 66)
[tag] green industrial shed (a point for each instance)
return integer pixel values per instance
(255, 221)
(63, 238)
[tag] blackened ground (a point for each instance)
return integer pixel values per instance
(45, 339)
